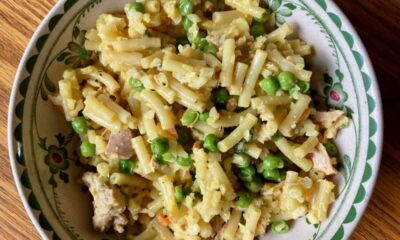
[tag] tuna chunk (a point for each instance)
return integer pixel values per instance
(120, 143)
(321, 160)
(109, 204)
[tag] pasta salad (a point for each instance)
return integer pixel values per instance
(197, 121)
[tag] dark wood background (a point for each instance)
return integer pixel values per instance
(377, 22)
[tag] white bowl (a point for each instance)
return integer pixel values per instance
(41, 145)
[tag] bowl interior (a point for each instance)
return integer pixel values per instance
(43, 145)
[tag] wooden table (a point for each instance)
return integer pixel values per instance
(378, 23)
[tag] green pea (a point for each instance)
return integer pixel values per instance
(244, 200)
(210, 143)
(179, 195)
(294, 90)
(304, 86)
(220, 96)
(204, 116)
(159, 146)
(272, 175)
(182, 41)
(88, 149)
(137, 6)
(264, 18)
(168, 157)
(286, 80)
(279, 227)
(186, 7)
(127, 166)
(270, 85)
(136, 84)
(202, 44)
(331, 149)
(184, 161)
(187, 23)
(80, 126)
(189, 118)
(255, 186)
(241, 160)
(272, 162)
(257, 30)
(211, 48)
(159, 159)
(247, 174)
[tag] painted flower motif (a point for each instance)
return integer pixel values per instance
(56, 159)
(336, 96)
(282, 10)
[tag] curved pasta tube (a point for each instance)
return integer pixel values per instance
(164, 113)
(236, 135)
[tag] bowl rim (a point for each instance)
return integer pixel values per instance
(58, 7)
(11, 116)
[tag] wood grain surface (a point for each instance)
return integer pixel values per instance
(377, 22)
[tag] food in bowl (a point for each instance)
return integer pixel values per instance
(198, 119)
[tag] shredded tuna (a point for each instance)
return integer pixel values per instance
(120, 144)
(321, 160)
(108, 202)
(326, 119)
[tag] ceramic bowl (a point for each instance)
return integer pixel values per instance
(42, 145)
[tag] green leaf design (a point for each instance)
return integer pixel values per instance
(44, 223)
(339, 234)
(336, 20)
(64, 176)
(76, 32)
(69, 138)
(33, 202)
(371, 149)
(371, 103)
(82, 37)
(26, 182)
(68, 4)
(291, 6)
(48, 84)
(359, 58)
(62, 56)
(61, 139)
(349, 111)
(346, 167)
(19, 109)
(74, 47)
(339, 74)
(274, 4)
(367, 81)
(53, 21)
(328, 79)
(322, 3)
(285, 12)
(52, 182)
(42, 143)
(72, 59)
(280, 20)
(41, 41)
(30, 64)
